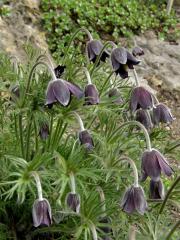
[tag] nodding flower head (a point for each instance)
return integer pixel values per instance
(44, 131)
(115, 95)
(73, 202)
(86, 140)
(91, 95)
(134, 200)
(143, 117)
(161, 113)
(41, 213)
(15, 93)
(153, 163)
(59, 70)
(156, 189)
(60, 91)
(94, 48)
(137, 51)
(122, 60)
(140, 98)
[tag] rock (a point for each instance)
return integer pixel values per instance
(20, 27)
(161, 62)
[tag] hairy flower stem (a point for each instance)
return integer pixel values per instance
(168, 194)
(31, 75)
(169, 6)
(38, 185)
(99, 56)
(132, 233)
(21, 133)
(106, 82)
(136, 77)
(72, 39)
(79, 121)
(87, 75)
(135, 172)
(72, 182)
(172, 230)
(94, 232)
(102, 198)
(146, 134)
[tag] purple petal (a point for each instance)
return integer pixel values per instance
(128, 201)
(139, 200)
(144, 97)
(133, 101)
(137, 51)
(74, 89)
(165, 168)
(91, 95)
(156, 189)
(50, 97)
(131, 60)
(150, 165)
(120, 55)
(61, 92)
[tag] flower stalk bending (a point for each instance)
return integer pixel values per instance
(38, 185)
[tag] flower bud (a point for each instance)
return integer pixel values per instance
(73, 202)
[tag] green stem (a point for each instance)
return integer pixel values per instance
(94, 232)
(173, 230)
(102, 197)
(21, 133)
(146, 134)
(57, 131)
(28, 137)
(87, 75)
(38, 185)
(135, 172)
(79, 121)
(36, 136)
(169, 6)
(168, 194)
(136, 77)
(72, 182)
(105, 83)
(72, 39)
(50, 131)
(99, 56)
(31, 75)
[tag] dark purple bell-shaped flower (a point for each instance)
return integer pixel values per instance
(41, 213)
(94, 48)
(161, 113)
(44, 131)
(153, 163)
(73, 202)
(137, 51)
(86, 139)
(60, 91)
(134, 200)
(115, 95)
(156, 189)
(59, 70)
(122, 60)
(91, 95)
(143, 117)
(140, 98)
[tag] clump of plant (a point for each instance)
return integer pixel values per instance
(77, 144)
(105, 18)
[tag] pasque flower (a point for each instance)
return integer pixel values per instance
(94, 48)
(60, 91)
(44, 131)
(143, 117)
(122, 60)
(115, 95)
(140, 98)
(41, 213)
(59, 70)
(134, 200)
(161, 113)
(153, 163)
(156, 189)
(86, 139)
(137, 51)
(91, 95)
(73, 201)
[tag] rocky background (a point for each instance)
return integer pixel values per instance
(160, 67)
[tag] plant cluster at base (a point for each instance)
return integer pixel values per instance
(72, 172)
